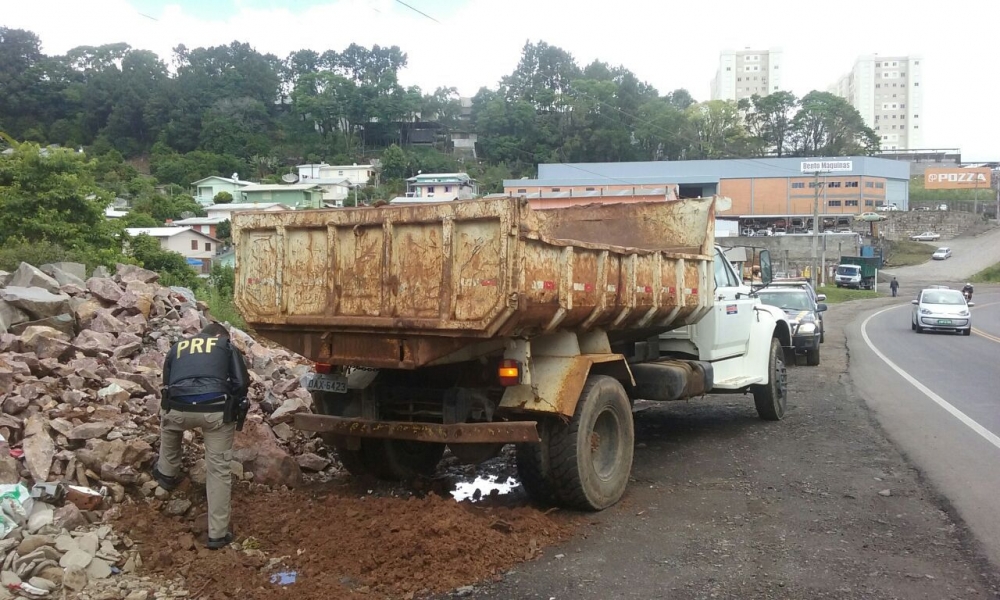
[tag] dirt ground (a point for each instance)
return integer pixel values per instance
(344, 541)
(721, 505)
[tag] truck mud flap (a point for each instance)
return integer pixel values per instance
(460, 433)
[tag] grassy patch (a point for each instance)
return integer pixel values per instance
(905, 253)
(221, 307)
(988, 275)
(835, 294)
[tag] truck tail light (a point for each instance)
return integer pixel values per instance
(509, 372)
(323, 369)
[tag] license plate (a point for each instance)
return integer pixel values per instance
(944, 322)
(328, 383)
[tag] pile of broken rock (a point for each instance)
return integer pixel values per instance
(80, 368)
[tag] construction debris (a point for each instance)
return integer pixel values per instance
(80, 372)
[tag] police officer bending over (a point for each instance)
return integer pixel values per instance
(205, 385)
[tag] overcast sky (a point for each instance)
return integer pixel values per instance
(473, 43)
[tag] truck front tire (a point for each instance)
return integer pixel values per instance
(590, 457)
(770, 398)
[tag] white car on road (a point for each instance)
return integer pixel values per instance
(936, 309)
(941, 253)
(927, 236)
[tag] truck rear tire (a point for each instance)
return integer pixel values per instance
(391, 460)
(770, 398)
(591, 456)
(534, 468)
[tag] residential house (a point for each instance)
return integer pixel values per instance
(206, 225)
(322, 173)
(112, 213)
(199, 249)
(439, 187)
(296, 195)
(206, 189)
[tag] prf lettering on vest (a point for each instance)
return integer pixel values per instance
(196, 346)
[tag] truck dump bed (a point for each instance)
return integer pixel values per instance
(413, 285)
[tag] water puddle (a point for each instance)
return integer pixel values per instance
(483, 487)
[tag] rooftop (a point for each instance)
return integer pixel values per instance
(164, 232)
(637, 173)
(440, 178)
(280, 187)
(226, 179)
(235, 206)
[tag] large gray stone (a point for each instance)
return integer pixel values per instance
(75, 578)
(98, 569)
(33, 277)
(78, 270)
(104, 288)
(39, 449)
(87, 431)
(101, 272)
(105, 322)
(36, 302)
(91, 341)
(74, 558)
(256, 447)
(129, 273)
(5, 278)
(63, 323)
(10, 316)
(63, 277)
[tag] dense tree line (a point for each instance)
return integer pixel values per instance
(228, 109)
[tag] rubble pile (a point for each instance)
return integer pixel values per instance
(80, 373)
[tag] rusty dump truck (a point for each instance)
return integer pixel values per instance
(474, 324)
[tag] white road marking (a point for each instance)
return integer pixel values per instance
(986, 434)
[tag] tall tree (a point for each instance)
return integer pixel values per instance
(769, 121)
(715, 130)
(826, 125)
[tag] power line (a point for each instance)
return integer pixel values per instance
(418, 11)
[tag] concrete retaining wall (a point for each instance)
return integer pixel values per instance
(901, 225)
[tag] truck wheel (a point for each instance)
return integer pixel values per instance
(534, 467)
(399, 460)
(591, 456)
(771, 397)
(341, 405)
(812, 357)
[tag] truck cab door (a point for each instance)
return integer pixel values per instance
(725, 331)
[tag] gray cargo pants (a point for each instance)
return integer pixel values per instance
(218, 454)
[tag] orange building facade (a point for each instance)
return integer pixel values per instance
(772, 187)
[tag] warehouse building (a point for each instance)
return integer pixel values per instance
(761, 189)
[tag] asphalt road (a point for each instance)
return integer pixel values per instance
(937, 395)
(970, 255)
(724, 506)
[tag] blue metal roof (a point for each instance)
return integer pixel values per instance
(701, 171)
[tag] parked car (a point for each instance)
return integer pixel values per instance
(927, 236)
(942, 207)
(803, 313)
(801, 283)
(887, 208)
(938, 309)
(870, 216)
(941, 253)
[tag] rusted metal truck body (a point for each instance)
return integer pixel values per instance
(473, 324)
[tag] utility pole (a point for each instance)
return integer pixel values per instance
(815, 245)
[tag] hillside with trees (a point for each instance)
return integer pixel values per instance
(231, 109)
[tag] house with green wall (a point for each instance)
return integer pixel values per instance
(296, 196)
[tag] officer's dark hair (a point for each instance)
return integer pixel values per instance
(215, 329)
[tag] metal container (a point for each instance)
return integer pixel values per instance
(413, 285)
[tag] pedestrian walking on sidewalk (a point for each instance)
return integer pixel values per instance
(894, 286)
(205, 385)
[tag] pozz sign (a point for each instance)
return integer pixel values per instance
(957, 179)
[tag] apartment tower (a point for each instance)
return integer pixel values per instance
(887, 92)
(743, 73)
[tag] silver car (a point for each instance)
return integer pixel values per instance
(938, 309)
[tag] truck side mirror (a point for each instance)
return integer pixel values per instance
(914, 302)
(766, 274)
(820, 307)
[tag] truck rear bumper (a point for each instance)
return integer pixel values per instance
(505, 432)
